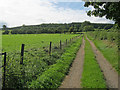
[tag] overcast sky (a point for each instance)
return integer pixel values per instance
(31, 12)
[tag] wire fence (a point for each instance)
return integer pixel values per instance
(22, 66)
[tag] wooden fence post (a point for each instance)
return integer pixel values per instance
(70, 39)
(22, 53)
(4, 69)
(50, 48)
(60, 45)
(66, 41)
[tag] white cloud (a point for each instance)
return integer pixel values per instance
(19, 12)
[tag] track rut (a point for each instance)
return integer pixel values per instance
(72, 80)
(110, 74)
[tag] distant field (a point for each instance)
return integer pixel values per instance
(13, 42)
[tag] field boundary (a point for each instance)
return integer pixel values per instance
(49, 52)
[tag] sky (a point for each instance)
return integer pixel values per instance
(33, 12)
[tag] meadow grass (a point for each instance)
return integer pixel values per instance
(109, 51)
(92, 77)
(12, 43)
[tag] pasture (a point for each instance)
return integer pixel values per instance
(12, 43)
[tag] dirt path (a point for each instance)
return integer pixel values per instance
(109, 72)
(72, 80)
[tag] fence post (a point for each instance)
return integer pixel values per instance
(50, 48)
(66, 41)
(60, 45)
(70, 39)
(4, 69)
(22, 53)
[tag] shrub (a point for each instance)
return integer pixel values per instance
(6, 32)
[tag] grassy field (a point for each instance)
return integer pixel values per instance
(13, 42)
(109, 50)
(35, 61)
(92, 76)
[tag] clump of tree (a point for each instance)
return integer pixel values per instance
(4, 27)
(85, 23)
(88, 28)
(6, 32)
(71, 29)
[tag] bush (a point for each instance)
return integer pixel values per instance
(6, 32)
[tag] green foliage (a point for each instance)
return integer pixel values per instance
(88, 28)
(101, 34)
(4, 27)
(71, 29)
(85, 23)
(17, 76)
(53, 77)
(6, 32)
(55, 28)
(92, 76)
(107, 27)
(110, 10)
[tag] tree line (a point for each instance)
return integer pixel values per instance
(56, 28)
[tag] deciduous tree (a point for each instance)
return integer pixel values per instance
(111, 10)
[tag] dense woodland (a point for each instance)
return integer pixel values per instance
(56, 28)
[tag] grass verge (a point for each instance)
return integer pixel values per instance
(92, 76)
